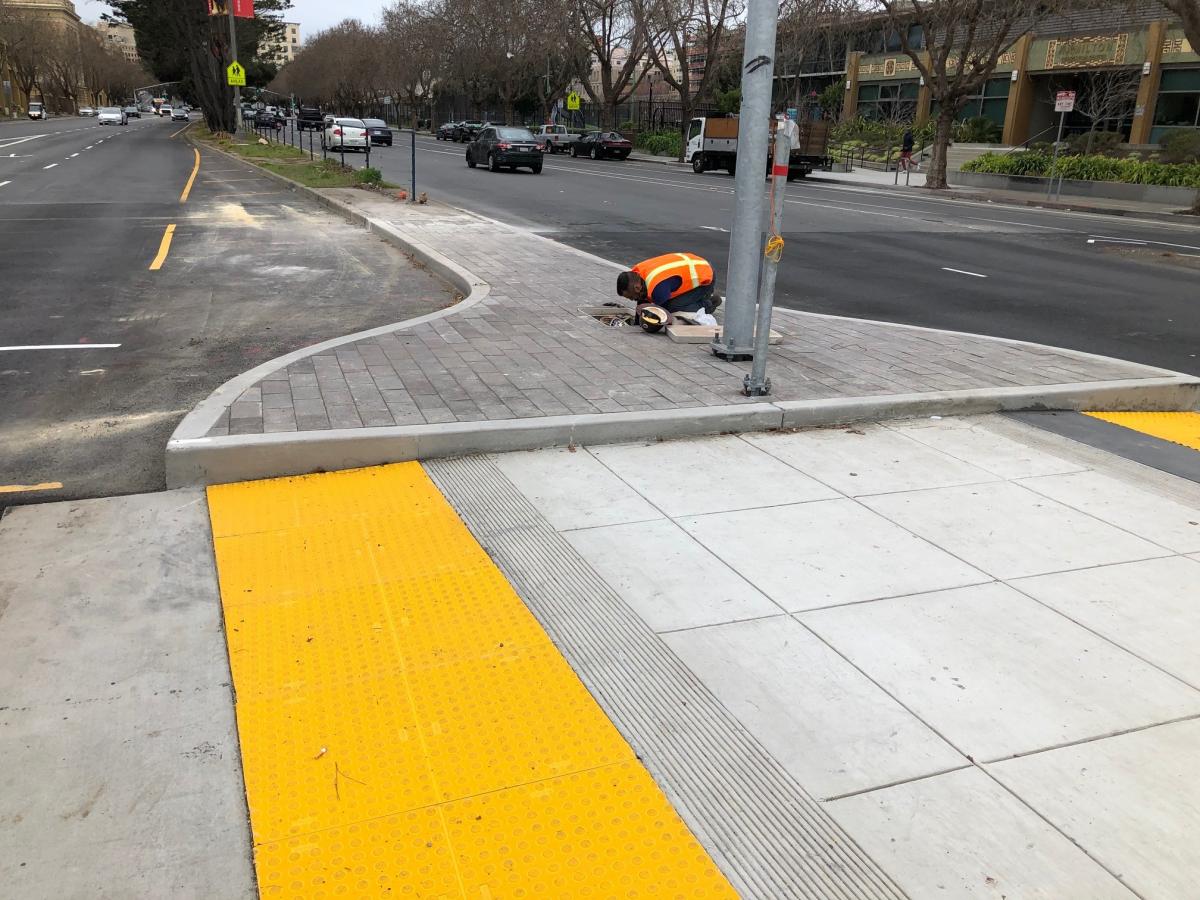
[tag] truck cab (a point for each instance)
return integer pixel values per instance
(554, 138)
(37, 110)
(713, 142)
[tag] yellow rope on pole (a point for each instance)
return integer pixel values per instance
(774, 248)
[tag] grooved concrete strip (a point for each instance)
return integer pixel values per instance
(526, 352)
(771, 839)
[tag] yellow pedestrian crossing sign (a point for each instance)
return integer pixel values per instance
(573, 100)
(235, 74)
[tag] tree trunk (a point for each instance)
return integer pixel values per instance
(1091, 137)
(936, 178)
(608, 114)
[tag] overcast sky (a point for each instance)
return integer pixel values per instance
(313, 15)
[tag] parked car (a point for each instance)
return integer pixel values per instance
(132, 112)
(165, 111)
(87, 111)
(37, 110)
(345, 134)
(112, 115)
(264, 119)
(445, 131)
(601, 144)
(180, 114)
(310, 118)
(467, 131)
(555, 138)
(505, 145)
(378, 131)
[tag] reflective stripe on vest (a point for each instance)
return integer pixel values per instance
(694, 271)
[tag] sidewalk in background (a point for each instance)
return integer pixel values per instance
(876, 178)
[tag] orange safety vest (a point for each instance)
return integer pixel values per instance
(694, 270)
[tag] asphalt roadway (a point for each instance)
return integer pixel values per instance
(1063, 278)
(101, 355)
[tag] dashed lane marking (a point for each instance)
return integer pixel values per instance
(191, 180)
(61, 347)
(164, 248)
(22, 488)
(963, 272)
(51, 166)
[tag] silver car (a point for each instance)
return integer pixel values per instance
(112, 115)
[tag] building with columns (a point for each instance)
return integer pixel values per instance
(1141, 46)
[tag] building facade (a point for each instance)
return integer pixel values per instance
(119, 39)
(1135, 59)
(283, 49)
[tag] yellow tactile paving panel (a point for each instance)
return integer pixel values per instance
(1177, 427)
(407, 727)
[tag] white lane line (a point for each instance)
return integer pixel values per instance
(89, 147)
(62, 347)
(73, 155)
(714, 228)
(963, 272)
(12, 142)
(1100, 237)
(51, 166)
(3, 183)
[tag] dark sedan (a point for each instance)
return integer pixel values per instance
(504, 146)
(264, 119)
(378, 131)
(467, 131)
(446, 131)
(601, 144)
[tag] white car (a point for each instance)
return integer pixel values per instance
(179, 114)
(345, 134)
(164, 111)
(112, 115)
(37, 110)
(86, 111)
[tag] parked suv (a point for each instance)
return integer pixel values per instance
(310, 118)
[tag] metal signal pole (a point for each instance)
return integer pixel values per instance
(233, 54)
(745, 250)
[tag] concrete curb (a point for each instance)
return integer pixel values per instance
(217, 460)
(205, 414)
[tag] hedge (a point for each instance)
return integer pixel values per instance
(1087, 168)
(661, 143)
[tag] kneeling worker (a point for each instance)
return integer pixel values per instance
(674, 282)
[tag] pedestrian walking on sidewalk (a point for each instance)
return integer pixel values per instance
(676, 282)
(906, 150)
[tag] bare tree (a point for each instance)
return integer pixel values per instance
(686, 30)
(616, 48)
(27, 49)
(64, 65)
(1103, 95)
(963, 41)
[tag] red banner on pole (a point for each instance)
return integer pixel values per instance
(243, 9)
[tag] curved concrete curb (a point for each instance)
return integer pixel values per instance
(193, 458)
(201, 419)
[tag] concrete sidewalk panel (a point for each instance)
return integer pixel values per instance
(802, 558)
(1132, 802)
(572, 489)
(122, 772)
(667, 577)
(976, 443)
(1173, 525)
(868, 460)
(962, 835)
(998, 674)
(1026, 533)
(825, 721)
(694, 477)
(1151, 608)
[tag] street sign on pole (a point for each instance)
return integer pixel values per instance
(1064, 101)
(573, 100)
(235, 74)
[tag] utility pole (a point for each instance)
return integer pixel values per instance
(233, 57)
(745, 250)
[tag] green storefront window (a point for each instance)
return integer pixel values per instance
(1177, 109)
(1179, 80)
(910, 90)
(997, 87)
(868, 92)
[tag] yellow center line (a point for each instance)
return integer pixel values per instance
(163, 248)
(192, 180)
(19, 488)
